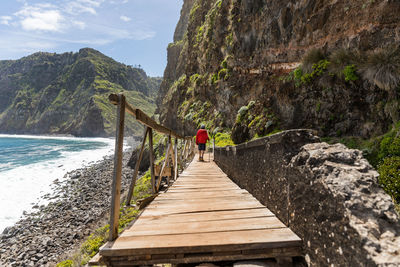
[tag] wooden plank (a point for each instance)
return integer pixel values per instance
(204, 227)
(183, 178)
(206, 216)
(198, 197)
(229, 256)
(203, 242)
(216, 202)
(205, 184)
(188, 190)
(117, 174)
(194, 188)
(201, 201)
(150, 211)
(97, 260)
(188, 197)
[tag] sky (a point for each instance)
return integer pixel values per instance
(134, 32)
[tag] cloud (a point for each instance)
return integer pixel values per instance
(49, 26)
(83, 6)
(5, 20)
(125, 18)
(41, 17)
(16, 43)
(119, 2)
(79, 24)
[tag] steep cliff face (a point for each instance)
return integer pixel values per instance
(67, 93)
(233, 68)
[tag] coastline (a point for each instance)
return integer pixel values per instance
(30, 164)
(78, 204)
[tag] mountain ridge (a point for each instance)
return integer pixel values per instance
(48, 93)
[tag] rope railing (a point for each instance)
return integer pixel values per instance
(171, 154)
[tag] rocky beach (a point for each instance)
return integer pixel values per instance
(78, 204)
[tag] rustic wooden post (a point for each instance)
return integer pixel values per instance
(213, 148)
(151, 149)
(171, 152)
(176, 159)
(116, 184)
(191, 148)
(135, 174)
(180, 156)
(167, 152)
(184, 150)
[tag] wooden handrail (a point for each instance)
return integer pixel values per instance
(144, 119)
(172, 152)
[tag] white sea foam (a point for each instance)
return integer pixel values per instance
(24, 185)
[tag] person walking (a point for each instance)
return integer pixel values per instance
(201, 140)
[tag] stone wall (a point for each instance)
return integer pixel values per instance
(327, 194)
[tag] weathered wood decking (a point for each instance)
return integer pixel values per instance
(202, 217)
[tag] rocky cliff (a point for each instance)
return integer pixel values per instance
(47, 93)
(256, 66)
(327, 194)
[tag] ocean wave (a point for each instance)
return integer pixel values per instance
(24, 185)
(51, 137)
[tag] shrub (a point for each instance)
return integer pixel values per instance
(92, 245)
(214, 78)
(320, 67)
(224, 64)
(382, 68)
(200, 33)
(350, 73)
(241, 113)
(223, 139)
(312, 56)
(67, 263)
(389, 177)
(297, 74)
(317, 70)
(223, 74)
(389, 146)
(195, 78)
(341, 58)
(251, 104)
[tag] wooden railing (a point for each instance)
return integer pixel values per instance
(171, 154)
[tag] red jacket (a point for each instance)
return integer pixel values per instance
(201, 136)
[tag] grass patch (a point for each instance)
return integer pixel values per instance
(350, 73)
(382, 68)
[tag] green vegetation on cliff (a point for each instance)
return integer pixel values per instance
(47, 93)
(251, 68)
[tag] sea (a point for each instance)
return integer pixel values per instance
(30, 164)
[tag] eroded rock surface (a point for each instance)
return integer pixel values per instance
(238, 51)
(327, 194)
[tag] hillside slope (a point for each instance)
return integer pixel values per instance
(48, 93)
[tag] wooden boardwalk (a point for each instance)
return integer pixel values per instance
(203, 217)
